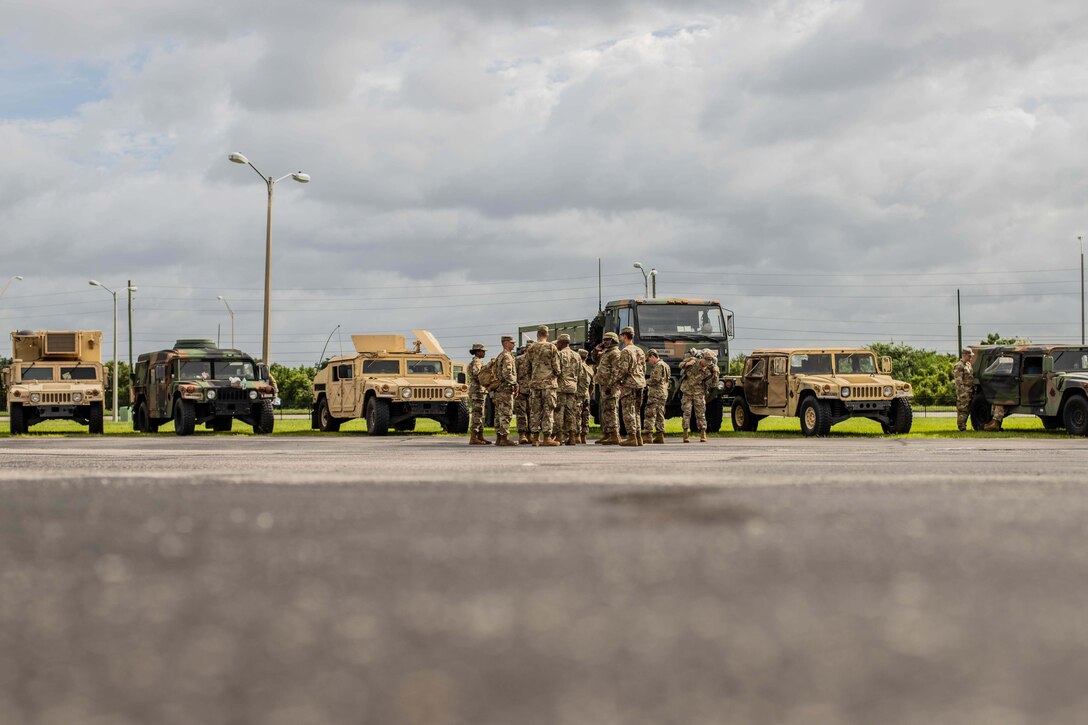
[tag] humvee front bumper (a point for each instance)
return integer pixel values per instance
(867, 407)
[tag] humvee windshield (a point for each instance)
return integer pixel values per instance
(216, 369)
(680, 321)
(1069, 361)
(381, 367)
(424, 367)
(80, 373)
(37, 374)
(855, 363)
(810, 364)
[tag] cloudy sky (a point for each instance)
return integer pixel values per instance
(832, 171)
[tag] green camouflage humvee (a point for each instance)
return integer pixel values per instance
(196, 382)
(1050, 381)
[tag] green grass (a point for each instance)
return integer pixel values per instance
(944, 427)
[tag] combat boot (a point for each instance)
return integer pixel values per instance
(582, 439)
(483, 441)
(630, 440)
(504, 441)
(686, 438)
(612, 439)
(534, 439)
(702, 436)
(659, 438)
(549, 441)
(572, 440)
(523, 439)
(993, 425)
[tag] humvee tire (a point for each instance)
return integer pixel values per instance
(17, 419)
(95, 418)
(902, 416)
(325, 422)
(1051, 422)
(815, 417)
(457, 418)
(265, 420)
(377, 417)
(742, 416)
(981, 413)
(184, 418)
(405, 426)
(1075, 415)
(222, 423)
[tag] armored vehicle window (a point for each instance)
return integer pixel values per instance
(624, 319)
(680, 320)
(1033, 365)
(226, 369)
(195, 369)
(160, 372)
(778, 366)
(141, 372)
(343, 372)
(36, 373)
(1001, 366)
(424, 367)
(757, 368)
(80, 373)
(381, 367)
(810, 364)
(1070, 360)
(855, 363)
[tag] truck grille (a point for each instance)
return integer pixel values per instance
(427, 393)
(867, 391)
(232, 395)
(57, 398)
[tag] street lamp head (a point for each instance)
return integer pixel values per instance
(238, 158)
(219, 297)
(133, 289)
(653, 272)
(18, 278)
(301, 177)
(95, 283)
(638, 265)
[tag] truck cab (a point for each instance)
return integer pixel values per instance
(56, 375)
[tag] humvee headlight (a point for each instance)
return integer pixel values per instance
(721, 385)
(844, 391)
(887, 391)
(448, 392)
(77, 397)
(35, 398)
(406, 392)
(253, 394)
(211, 395)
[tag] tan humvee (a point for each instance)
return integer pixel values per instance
(822, 387)
(55, 374)
(390, 385)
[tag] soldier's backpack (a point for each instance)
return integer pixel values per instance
(488, 376)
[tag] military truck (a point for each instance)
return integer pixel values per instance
(1049, 381)
(673, 327)
(390, 385)
(822, 387)
(195, 382)
(56, 375)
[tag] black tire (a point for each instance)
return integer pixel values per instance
(902, 416)
(264, 418)
(325, 422)
(222, 423)
(457, 420)
(95, 419)
(141, 422)
(1051, 422)
(981, 412)
(184, 417)
(715, 412)
(815, 417)
(377, 417)
(742, 416)
(1075, 415)
(17, 418)
(314, 423)
(405, 426)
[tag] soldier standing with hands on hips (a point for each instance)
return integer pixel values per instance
(632, 381)
(477, 396)
(544, 369)
(503, 397)
(964, 376)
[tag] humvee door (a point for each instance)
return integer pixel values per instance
(1000, 380)
(755, 381)
(1033, 381)
(776, 383)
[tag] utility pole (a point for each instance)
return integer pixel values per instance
(131, 370)
(959, 324)
(1079, 239)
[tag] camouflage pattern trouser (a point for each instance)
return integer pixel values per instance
(584, 427)
(542, 409)
(521, 409)
(610, 419)
(476, 414)
(963, 410)
(998, 412)
(655, 415)
(567, 415)
(630, 403)
(687, 404)
(503, 400)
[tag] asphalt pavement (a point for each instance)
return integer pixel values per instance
(311, 580)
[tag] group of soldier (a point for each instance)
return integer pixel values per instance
(548, 387)
(964, 375)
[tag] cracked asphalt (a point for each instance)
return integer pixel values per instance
(233, 579)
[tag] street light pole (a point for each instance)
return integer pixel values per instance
(16, 278)
(221, 297)
(645, 279)
(270, 183)
(653, 284)
(1081, 240)
(116, 381)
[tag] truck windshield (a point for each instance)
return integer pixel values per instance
(1069, 361)
(681, 321)
(855, 363)
(80, 373)
(36, 373)
(226, 369)
(810, 364)
(424, 367)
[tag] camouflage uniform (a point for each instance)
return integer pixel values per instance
(606, 377)
(568, 410)
(585, 387)
(477, 395)
(657, 394)
(998, 413)
(503, 397)
(965, 389)
(695, 371)
(632, 381)
(544, 369)
(521, 404)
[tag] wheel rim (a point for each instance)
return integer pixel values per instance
(740, 417)
(324, 416)
(810, 417)
(1077, 418)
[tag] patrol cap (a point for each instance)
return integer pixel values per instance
(630, 331)
(652, 353)
(611, 336)
(967, 351)
(477, 347)
(584, 353)
(564, 338)
(507, 338)
(542, 329)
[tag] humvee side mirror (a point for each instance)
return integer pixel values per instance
(729, 326)
(886, 365)
(461, 378)
(262, 372)
(1048, 364)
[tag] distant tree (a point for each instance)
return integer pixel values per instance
(124, 386)
(928, 371)
(736, 364)
(995, 339)
(296, 385)
(4, 362)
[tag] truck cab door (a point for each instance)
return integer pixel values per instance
(1033, 381)
(159, 391)
(776, 382)
(338, 386)
(1000, 379)
(755, 381)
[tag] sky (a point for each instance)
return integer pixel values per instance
(831, 171)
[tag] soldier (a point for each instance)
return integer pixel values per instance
(568, 409)
(606, 377)
(544, 369)
(477, 396)
(585, 387)
(997, 414)
(965, 387)
(696, 370)
(521, 402)
(657, 393)
(507, 390)
(632, 381)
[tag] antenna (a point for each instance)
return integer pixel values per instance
(600, 298)
(318, 365)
